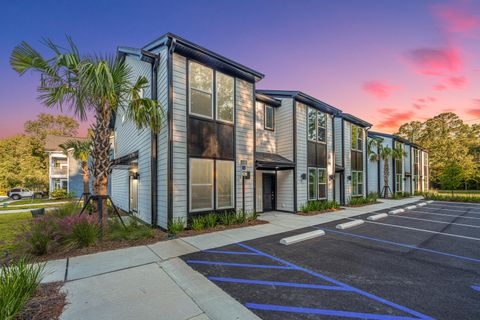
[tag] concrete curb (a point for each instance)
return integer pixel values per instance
(430, 201)
(396, 211)
(377, 216)
(410, 207)
(422, 204)
(302, 237)
(351, 224)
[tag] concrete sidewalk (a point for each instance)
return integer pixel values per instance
(151, 282)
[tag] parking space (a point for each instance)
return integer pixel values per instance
(414, 265)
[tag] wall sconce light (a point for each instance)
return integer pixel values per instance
(304, 176)
(349, 178)
(135, 175)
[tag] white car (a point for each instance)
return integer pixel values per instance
(19, 193)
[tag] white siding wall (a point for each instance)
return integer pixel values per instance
(348, 161)
(162, 145)
(245, 140)
(266, 139)
(338, 141)
(365, 160)
(259, 191)
(302, 166)
(130, 139)
(330, 157)
(285, 197)
(179, 137)
(284, 129)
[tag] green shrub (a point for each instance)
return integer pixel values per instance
(241, 217)
(253, 215)
(40, 234)
(401, 195)
(198, 223)
(319, 205)
(18, 281)
(227, 218)
(67, 210)
(176, 226)
(134, 230)
(82, 231)
(61, 194)
(371, 198)
(211, 220)
(454, 198)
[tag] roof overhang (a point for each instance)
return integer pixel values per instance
(396, 138)
(125, 160)
(268, 99)
(355, 120)
(271, 161)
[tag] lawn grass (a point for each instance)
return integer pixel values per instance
(10, 229)
(459, 192)
(30, 201)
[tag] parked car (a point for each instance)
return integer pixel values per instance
(19, 193)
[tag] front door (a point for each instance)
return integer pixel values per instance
(269, 183)
(133, 186)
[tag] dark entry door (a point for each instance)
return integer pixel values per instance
(269, 183)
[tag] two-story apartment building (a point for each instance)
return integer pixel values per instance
(406, 174)
(224, 145)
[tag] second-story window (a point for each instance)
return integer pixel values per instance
(201, 90)
(269, 117)
(225, 90)
(317, 125)
(357, 138)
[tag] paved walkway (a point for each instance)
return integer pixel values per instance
(151, 282)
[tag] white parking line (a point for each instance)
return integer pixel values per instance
(464, 211)
(453, 206)
(445, 215)
(422, 230)
(444, 222)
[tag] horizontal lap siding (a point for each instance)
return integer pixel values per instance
(330, 157)
(179, 137)
(130, 139)
(348, 160)
(244, 113)
(302, 167)
(338, 141)
(266, 141)
(285, 190)
(120, 191)
(162, 143)
(408, 168)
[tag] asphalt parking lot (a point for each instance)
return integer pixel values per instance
(420, 264)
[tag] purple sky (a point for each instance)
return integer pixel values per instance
(385, 61)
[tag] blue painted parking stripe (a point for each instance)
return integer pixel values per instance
(279, 283)
(402, 245)
(234, 252)
(475, 287)
(338, 283)
(348, 314)
(245, 265)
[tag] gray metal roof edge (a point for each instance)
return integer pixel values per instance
(267, 99)
(396, 137)
(351, 118)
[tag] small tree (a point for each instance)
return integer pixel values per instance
(452, 176)
(377, 151)
(81, 150)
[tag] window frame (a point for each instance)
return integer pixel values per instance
(265, 127)
(359, 138)
(317, 113)
(322, 183)
(315, 183)
(212, 200)
(215, 85)
(212, 93)
(232, 162)
(355, 188)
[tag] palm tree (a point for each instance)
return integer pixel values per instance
(378, 151)
(99, 84)
(81, 150)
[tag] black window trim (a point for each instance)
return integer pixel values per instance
(265, 106)
(316, 125)
(189, 92)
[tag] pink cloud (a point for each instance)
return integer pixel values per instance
(379, 89)
(393, 118)
(457, 82)
(435, 61)
(455, 18)
(474, 112)
(418, 106)
(439, 87)
(432, 99)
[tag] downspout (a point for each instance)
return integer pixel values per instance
(171, 48)
(378, 170)
(294, 157)
(367, 160)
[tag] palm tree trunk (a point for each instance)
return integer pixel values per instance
(101, 160)
(85, 174)
(385, 178)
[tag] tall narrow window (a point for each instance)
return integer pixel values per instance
(312, 124)
(322, 183)
(269, 117)
(201, 88)
(312, 183)
(225, 181)
(360, 183)
(354, 137)
(321, 127)
(201, 184)
(224, 85)
(360, 139)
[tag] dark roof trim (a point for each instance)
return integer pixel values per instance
(271, 161)
(303, 98)
(395, 137)
(203, 55)
(268, 100)
(125, 160)
(355, 120)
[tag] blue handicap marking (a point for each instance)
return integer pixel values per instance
(475, 287)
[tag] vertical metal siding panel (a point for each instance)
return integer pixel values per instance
(130, 139)
(179, 138)
(348, 161)
(162, 143)
(330, 157)
(244, 140)
(302, 167)
(266, 140)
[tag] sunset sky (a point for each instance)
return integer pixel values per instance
(387, 62)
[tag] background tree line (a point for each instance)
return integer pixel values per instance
(453, 148)
(23, 161)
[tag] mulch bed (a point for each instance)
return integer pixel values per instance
(189, 233)
(363, 205)
(314, 213)
(47, 303)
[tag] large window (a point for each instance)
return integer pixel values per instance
(201, 184)
(203, 173)
(357, 138)
(317, 126)
(317, 183)
(201, 90)
(398, 169)
(269, 117)
(225, 181)
(357, 183)
(225, 90)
